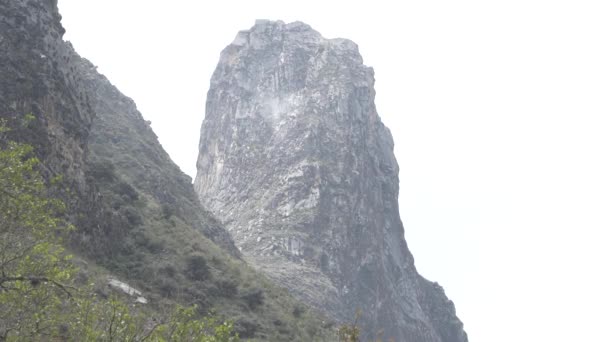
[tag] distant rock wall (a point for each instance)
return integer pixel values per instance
(296, 162)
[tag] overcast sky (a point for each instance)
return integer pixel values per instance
(499, 110)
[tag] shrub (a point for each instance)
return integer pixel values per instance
(350, 332)
(168, 288)
(169, 270)
(102, 171)
(298, 310)
(126, 190)
(132, 215)
(167, 211)
(228, 288)
(253, 298)
(196, 268)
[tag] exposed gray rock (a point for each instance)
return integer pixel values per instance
(296, 162)
(127, 289)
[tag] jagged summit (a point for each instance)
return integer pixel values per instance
(268, 35)
(295, 160)
(264, 28)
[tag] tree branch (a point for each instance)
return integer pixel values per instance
(150, 332)
(35, 281)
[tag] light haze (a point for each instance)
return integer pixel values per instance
(499, 111)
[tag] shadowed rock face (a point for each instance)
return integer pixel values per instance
(296, 162)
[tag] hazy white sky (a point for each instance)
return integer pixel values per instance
(499, 110)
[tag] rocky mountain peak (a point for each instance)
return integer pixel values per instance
(295, 160)
(265, 32)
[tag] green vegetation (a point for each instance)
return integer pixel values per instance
(350, 332)
(33, 265)
(39, 300)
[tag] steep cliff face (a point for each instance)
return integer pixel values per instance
(296, 162)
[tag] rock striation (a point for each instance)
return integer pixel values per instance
(297, 164)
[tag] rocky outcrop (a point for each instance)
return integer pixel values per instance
(296, 162)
